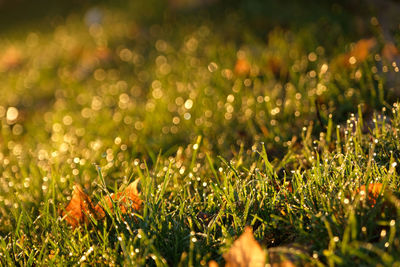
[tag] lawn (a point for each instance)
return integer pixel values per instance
(281, 119)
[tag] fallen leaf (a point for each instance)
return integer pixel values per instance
(245, 252)
(79, 208)
(285, 263)
(373, 192)
(264, 130)
(359, 53)
(242, 67)
(212, 263)
(130, 197)
(99, 207)
(362, 48)
(11, 58)
(125, 199)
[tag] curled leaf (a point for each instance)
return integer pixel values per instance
(125, 199)
(108, 201)
(245, 252)
(79, 208)
(130, 197)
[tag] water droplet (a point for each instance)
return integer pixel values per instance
(12, 114)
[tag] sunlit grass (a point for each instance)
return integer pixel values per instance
(223, 134)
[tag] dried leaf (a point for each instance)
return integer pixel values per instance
(130, 197)
(212, 263)
(10, 59)
(245, 252)
(285, 263)
(362, 48)
(99, 208)
(125, 199)
(242, 67)
(79, 208)
(359, 53)
(373, 192)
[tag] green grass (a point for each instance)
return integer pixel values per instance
(215, 150)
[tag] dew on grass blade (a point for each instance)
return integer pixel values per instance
(12, 114)
(212, 66)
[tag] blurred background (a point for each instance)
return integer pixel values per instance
(351, 16)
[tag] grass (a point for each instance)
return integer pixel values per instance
(216, 120)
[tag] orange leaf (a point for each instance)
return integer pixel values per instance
(245, 252)
(373, 192)
(359, 53)
(99, 209)
(285, 263)
(362, 48)
(10, 59)
(242, 67)
(130, 196)
(79, 208)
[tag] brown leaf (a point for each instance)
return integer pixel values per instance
(242, 67)
(373, 191)
(359, 53)
(79, 208)
(362, 48)
(125, 199)
(285, 263)
(10, 59)
(130, 197)
(99, 208)
(245, 252)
